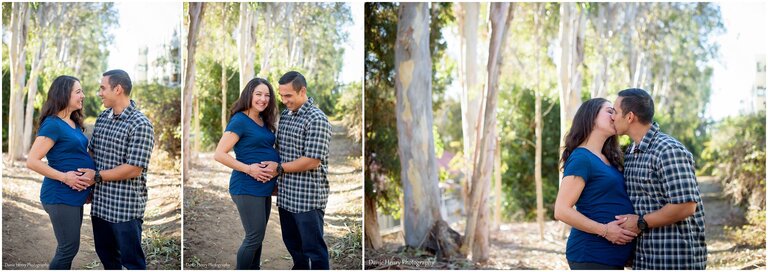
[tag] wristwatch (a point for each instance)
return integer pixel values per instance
(279, 168)
(97, 177)
(641, 224)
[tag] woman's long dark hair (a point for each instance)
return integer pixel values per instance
(58, 99)
(243, 103)
(583, 123)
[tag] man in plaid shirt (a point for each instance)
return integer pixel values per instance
(121, 145)
(661, 182)
(303, 139)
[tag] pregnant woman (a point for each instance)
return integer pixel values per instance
(251, 132)
(593, 182)
(61, 140)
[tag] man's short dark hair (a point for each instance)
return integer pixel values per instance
(637, 101)
(119, 77)
(293, 77)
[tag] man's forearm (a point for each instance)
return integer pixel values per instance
(670, 214)
(300, 165)
(121, 172)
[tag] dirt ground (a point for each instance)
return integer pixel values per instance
(213, 232)
(29, 242)
(519, 246)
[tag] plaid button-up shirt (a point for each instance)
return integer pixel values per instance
(660, 171)
(304, 133)
(127, 138)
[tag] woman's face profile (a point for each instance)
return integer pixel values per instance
(76, 97)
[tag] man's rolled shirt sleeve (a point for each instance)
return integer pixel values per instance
(679, 176)
(318, 139)
(140, 146)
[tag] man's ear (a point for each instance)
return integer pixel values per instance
(303, 89)
(630, 117)
(118, 89)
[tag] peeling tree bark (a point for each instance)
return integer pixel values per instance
(17, 54)
(423, 224)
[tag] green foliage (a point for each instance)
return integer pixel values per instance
(348, 246)
(676, 43)
(83, 52)
(349, 110)
(736, 155)
(443, 67)
(208, 82)
(753, 233)
(448, 120)
(162, 105)
(305, 37)
(162, 251)
(382, 163)
(518, 152)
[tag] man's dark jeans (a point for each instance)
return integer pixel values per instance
(119, 244)
(303, 237)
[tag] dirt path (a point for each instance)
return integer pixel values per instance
(212, 228)
(519, 246)
(29, 243)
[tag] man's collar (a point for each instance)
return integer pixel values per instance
(647, 139)
(305, 107)
(126, 112)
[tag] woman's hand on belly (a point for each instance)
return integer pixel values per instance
(618, 235)
(261, 172)
(72, 179)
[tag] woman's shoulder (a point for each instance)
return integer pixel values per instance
(579, 153)
(579, 157)
(49, 121)
(238, 117)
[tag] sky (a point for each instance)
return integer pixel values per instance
(141, 26)
(734, 72)
(353, 53)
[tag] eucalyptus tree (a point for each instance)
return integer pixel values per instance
(195, 13)
(17, 55)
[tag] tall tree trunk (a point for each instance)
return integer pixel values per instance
(17, 54)
(471, 90)
(571, 55)
(246, 29)
(196, 11)
(39, 55)
(416, 146)
(224, 77)
(372, 234)
(476, 234)
(539, 128)
(266, 52)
